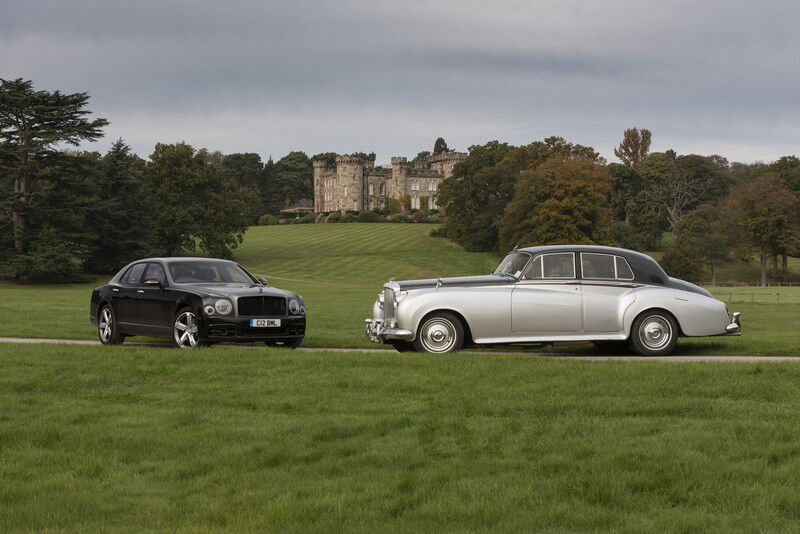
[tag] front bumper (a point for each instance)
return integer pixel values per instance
(734, 328)
(238, 329)
(377, 332)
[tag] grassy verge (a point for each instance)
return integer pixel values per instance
(98, 438)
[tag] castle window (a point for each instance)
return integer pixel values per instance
(414, 203)
(383, 190)
(432, 203)
(371, 190)
(432, 186)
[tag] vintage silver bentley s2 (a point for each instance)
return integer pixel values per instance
(551, 294)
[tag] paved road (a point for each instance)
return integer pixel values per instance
(560, 355)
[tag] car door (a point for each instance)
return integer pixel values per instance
(154, 304)
(547, 299)
(124, 295)
(607, 287)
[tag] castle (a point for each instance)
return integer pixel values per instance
(355, 183)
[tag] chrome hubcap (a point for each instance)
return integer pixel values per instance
(655, 332)
(105, 325)
(438, 335)
(186, 330)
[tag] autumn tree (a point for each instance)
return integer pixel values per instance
(766, 211)
(634, 147)
(33, 126)
(560, 201)
(476, 195)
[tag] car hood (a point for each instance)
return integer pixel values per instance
(236, 290)
(460, 281)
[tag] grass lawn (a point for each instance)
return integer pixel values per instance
(339, 269)
(96, 438)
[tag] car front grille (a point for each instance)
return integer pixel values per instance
(261, 306)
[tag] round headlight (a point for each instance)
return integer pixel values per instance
(223, 307)
(209, 310)
(294, 307)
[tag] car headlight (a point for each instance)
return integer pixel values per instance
(223, 306)
(209, 310)
(294, 307)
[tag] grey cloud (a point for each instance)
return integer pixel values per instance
(715, 76)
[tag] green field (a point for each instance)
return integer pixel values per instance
(97, 438)
(339, 269)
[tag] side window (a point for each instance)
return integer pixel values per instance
(598, 266)
(535, 270)
(560, 265)
(155, 270)
(134, 274)
(624, 271)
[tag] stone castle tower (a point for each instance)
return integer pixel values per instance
(354, 183)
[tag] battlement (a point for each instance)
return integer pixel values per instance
(447, 156)
(399, 160)
(321, 164)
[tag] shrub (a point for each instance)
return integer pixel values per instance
(335, 217)
(348, 217)
(401, 218)
(438, 232)
(432, 219)
(393, 205)
(268, 219)
(368, 216)
(419, 215)
(305, 219)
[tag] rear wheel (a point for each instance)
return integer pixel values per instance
(654, 333)
(439, 332)
(107, 327)
(185, 330)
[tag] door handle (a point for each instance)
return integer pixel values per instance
(140, 291)
(115, 290)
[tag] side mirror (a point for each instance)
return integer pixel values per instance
(154, 282)
(263, 281)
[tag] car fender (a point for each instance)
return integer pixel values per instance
(696, 314)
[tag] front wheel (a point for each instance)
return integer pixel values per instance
(654, 333)
(439, 333)
(107, 327)
(185, 330)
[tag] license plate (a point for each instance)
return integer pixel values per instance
(264, 323)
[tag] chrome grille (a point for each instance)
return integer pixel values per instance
(261, 306)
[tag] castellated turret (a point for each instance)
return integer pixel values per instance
(353, 183)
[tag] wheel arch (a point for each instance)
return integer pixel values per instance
(661, 309)
(459, 316)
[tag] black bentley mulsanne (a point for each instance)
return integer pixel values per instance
(195, 301)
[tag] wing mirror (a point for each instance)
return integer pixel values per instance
(154, 282)
(263, 281)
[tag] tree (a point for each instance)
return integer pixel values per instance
(476, 195)
(425, 154)
(289, 181)
(634, 147)
(122, 216)
(560, 201)
(706, 234)
(195, 204)
(675, 185)
(765, 211)
(33, 124)
(440, 146)
(245, 170)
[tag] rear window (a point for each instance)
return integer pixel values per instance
(134, 274)
(605, 267)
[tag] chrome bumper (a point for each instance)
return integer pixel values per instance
(735, 326)
(378, 332)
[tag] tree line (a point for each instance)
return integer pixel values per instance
(556, 192)
(68, 213)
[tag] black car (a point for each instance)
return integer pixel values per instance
(195, 301)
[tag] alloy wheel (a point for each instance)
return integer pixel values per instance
(186, 331)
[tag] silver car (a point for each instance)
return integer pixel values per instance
(551, 294)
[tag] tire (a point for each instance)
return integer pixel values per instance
(654, 333)
(185, 330)
(401, 346)
(107, 329)
(439, 333)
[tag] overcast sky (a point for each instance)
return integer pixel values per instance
(269, 77)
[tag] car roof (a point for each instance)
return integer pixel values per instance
(584, 248)
(181, 258)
